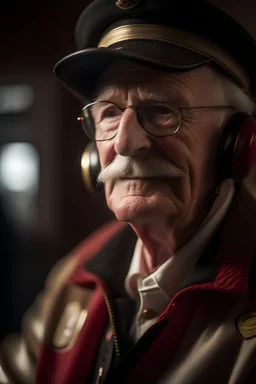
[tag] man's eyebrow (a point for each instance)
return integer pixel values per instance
(100, 98)
(105, 95)
(158, 95)
(171, 96)
(155, 96)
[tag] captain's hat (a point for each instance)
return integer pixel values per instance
(174, 35)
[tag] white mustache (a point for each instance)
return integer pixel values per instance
(139, 167)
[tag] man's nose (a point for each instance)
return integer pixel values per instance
(131, 138)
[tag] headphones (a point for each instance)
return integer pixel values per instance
(235, 157)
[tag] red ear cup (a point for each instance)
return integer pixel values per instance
(245, 149)
(90, 166)
(237, 151)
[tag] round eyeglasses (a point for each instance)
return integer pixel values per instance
(101, 119)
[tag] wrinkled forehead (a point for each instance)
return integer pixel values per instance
(154, 83)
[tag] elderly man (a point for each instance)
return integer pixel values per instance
(169, 298)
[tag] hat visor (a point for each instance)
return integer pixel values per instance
(81, 70)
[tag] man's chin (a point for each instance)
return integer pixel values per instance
(139, 208)
(136, 200)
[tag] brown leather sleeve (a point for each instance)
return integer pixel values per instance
(19, 352)
(44, 321)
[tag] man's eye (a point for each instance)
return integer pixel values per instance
(110, 112)
(163, 110)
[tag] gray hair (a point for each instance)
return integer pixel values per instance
(234, 95)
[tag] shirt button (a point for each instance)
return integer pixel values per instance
(148, 314)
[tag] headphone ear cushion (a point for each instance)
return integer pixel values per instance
(90, 165)
(237, 151)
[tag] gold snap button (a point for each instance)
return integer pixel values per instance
(148, 314)
(70, 323)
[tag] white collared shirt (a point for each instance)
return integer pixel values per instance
(155, 291)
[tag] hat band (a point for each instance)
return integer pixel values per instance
(180, 38)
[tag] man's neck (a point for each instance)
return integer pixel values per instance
(160, 241)
(158, 244)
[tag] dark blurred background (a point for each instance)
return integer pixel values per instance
(45, 209)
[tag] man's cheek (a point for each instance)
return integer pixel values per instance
(112, 192)
(106, 153)
(173, 149)
(113, 196)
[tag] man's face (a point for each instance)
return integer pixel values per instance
(176, 173)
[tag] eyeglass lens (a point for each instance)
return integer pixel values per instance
(101, 119)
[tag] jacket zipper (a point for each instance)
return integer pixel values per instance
(113, 326)
(115, 336)
(99, 377)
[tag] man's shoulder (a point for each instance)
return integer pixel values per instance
(19, 353)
